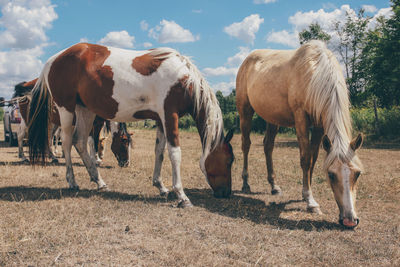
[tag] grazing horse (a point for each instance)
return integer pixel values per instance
(126, 85)
(302, 88)
(23, 89)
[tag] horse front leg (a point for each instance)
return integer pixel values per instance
(269, 140)
(302, 130)
(159, 157)
(84, 123)
(174, 152)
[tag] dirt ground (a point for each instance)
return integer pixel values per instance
(42, 223)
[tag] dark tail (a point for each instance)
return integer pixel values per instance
(38, 127)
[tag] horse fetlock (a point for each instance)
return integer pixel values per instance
(184, 203)
(276, 190)
(246, 188)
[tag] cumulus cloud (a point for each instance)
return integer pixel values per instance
(23, 26)
(369, 8)
(171, 32)
(264, 1)
(301, 21)
(220, 71)
(147, 44)
(25, 22)
(144, 25)
(229, 70)
(224, 87)
(120, 39)
(246, 29)
(231, 66)
(238, 58)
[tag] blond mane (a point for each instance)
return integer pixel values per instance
(327, 98)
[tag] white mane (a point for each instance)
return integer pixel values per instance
(327, 98)
(204, 97)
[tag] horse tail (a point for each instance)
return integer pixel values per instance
(38, 127)
(327, 96)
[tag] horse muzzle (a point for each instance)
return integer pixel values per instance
(222, 192)
(123, 164)
(349, 223)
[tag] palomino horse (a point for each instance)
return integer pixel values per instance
(125, 85)
(302, 88)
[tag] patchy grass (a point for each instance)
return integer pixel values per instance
(42, 223)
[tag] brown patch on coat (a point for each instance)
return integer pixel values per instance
(79, 71)
(30, 84)
(177, 103)
(147, 64)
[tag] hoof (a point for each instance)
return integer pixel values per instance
(185, 204)
(25, 160)
(164, 193)
(276, 191)
(246, 189)
(54, 161)
(315, 210)
(103, 189)
(74, 188)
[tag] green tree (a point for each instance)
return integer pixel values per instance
(352, 39)
(314, 32)
(381, 59)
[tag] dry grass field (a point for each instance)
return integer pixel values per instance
(42, 223)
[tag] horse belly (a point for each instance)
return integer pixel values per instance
(271, 103)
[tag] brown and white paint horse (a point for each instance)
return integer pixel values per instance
(126, 85)
(302, 88)
(22, 94)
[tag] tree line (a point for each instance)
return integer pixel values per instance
(371, 60)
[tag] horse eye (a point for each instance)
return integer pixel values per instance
(331, 176)
(356, 175)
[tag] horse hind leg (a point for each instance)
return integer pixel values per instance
(269, 140)
(51, 146)
(246, 114)
(66, 119)
(21, 135)
(159, 157)
(84, 123)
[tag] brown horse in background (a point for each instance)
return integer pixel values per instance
(302, 88)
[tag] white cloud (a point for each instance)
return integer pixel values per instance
(23, 26)
(25, 23)
(302, 20)
(171, 32)
(120, 39)
(220, 71)
(238, 58)
(144, 25)
(84, 40)
(147, 44)
(369, 8)
(264, 1)
(18, 65)
(246, 29)
(224, 87)
(284, 37)
(231, 66)
(383, 12)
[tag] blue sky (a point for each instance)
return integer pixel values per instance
(216, 34)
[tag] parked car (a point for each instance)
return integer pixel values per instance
(11, 120)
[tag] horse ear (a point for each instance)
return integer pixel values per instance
(357, 142)
(229, 136)
(326, 143)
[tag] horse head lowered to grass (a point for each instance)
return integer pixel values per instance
(302, 88)
(126, 85)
